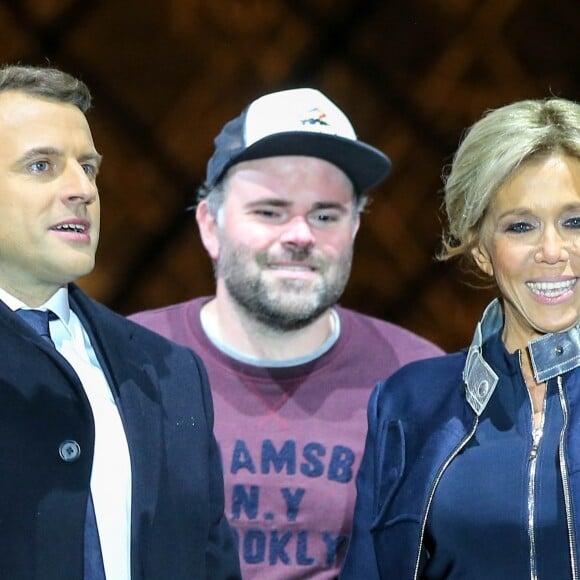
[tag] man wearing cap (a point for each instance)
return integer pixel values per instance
(291, 371)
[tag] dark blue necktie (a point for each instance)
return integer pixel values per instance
(94, 567)
(38, 319)
(93, 558)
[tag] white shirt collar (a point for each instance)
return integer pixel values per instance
(58, 303)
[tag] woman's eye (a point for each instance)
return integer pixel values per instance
(573, 222)
(519, 227)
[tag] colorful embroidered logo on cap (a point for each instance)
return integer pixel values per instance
(315, 117)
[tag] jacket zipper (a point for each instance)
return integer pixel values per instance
(537, 433)
(536, 437)
(432, 493)
(566, 484)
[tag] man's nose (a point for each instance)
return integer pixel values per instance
(77, 185)
(298, 232)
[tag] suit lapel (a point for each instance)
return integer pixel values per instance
(12, 325)
(137, 398)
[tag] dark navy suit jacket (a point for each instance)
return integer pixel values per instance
(178, 530)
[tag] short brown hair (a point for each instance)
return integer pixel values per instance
(46, 82)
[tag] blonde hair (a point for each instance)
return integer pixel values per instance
(491, 151)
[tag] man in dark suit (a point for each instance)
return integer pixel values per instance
(109, 466)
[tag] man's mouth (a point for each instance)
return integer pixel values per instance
(76, 228)
(292, 267)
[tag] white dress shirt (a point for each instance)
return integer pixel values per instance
(111, 472)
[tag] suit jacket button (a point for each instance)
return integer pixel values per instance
(69, 450)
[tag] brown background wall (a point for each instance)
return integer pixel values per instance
(412, 74)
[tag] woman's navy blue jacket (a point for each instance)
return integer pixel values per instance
(419, 420)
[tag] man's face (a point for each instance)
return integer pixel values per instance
(49, 205)
(284, 236)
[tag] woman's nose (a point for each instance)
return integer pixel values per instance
(553, 247)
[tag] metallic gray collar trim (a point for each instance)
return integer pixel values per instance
(554, 354)
(480, 379)
(551, 355)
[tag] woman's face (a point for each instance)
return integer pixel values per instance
(530, 244)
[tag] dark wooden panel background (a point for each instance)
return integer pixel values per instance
(412, 74)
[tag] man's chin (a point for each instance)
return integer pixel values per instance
(291, 312)
(79, 270)
(293, 299)
(294, 287)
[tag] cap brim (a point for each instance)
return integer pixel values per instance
(364, 165)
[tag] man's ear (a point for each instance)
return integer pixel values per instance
(208, 229)
(483, 259)
(356, 226)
